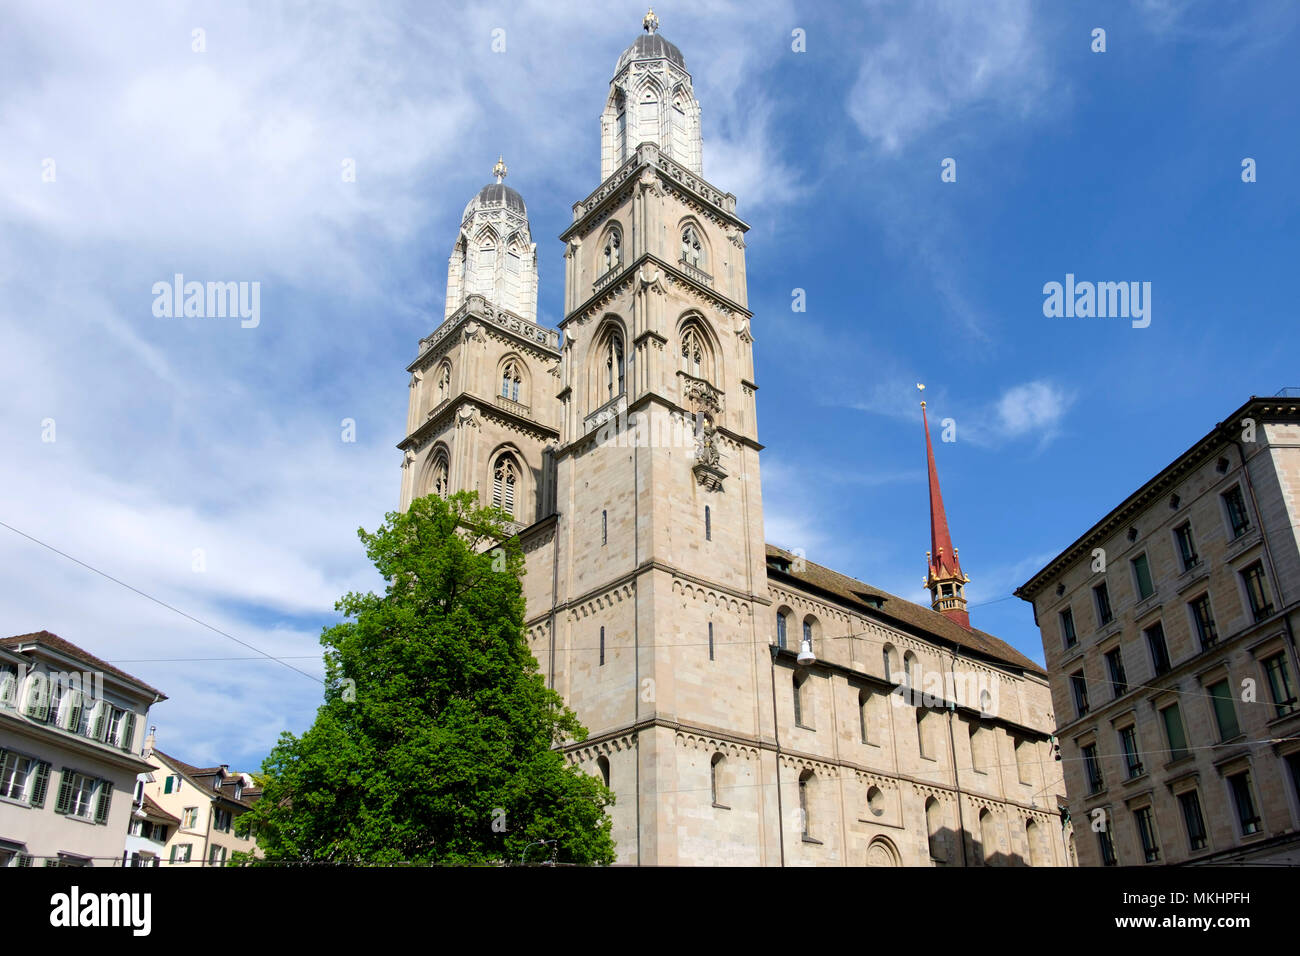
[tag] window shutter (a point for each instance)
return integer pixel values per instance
(167, 785)
(128, 731)
(74, 711)
(63, 803)
(41, 784)
(37, 699)
(98, 725)
(24, 859)
(172, 858)
(105, 800)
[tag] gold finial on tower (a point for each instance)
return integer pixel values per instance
(650, 21)
(921, 387)
(499, 170)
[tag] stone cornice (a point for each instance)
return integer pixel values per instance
(544, 342)
(628, 277)
(486, 408)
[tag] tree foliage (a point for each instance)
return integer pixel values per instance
(435, 743)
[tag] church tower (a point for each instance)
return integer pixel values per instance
(944, 578)
(482, 396)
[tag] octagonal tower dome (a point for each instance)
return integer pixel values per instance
(494, 254)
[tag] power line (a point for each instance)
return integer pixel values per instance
(161, 603)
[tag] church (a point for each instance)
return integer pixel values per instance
(746, 706)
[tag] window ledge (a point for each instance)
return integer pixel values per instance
(1137, 779)
(804, 727)
(808, 839)
(721, 806)
(1242, 543)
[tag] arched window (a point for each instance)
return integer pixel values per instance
(808, 631)
(692, 247)
(604, 527)
(602, 647)
(1031, 841)
(805, 794)
(934, 828)
(708, 524)
(890, 656)
(486, 267)
(909, 670)
(800, 680)
(602, 764)
(715, 778)
(612, 256)
(988, 838)
(780, 629)
(612, 356)
(922, 744)
(510, 379)
(692, 352)
(710, 640)
(864, 714)
(505, 477)
(439, 485)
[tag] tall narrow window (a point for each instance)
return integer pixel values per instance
(1128, 742)
(1118, 679)
(1106, 843)
(864, 714)
(1236, 507)
(602, 647)
(1186, 546)
(1256, 592)
(1190, 803)
(988, 839)
(1142, 577)
(602, 764)
(692, 352)
(604, 527)
(798, 683)
(613, 250)
(1204, 619)
(486, 268)
(614, 366)
(808, 633)
(780, 630)
(922, 744)
(1080, 688)
(1155, 635)
(1173, 721)
(1101, 594)
(504, 479)
(805, 782)
(937, 838)
(708, 524)
(710, 640)
(1067, 628)
(692, 250)
(1244, 799)
(444, 383)
(510, 379)
(1092, 769)
(1279, 684)
(1224, 713)
(440, 476)
(1147, 834)
(715, 780)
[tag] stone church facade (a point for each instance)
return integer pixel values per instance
(745, 705)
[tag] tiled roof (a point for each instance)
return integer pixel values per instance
(913, 617)
(56, 643)
(158, 813)
(247, 798)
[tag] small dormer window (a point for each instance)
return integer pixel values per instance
(239, 790)
(216, 782)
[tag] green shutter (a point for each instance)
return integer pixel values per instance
(41, 784)
(63, 803)
(38, 703)
(102, 710)
(74, 711)
(128, 731)
(167, 784)
(105, 801)
(24, 859)
(172, 858)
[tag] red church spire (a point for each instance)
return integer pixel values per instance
(944, 577)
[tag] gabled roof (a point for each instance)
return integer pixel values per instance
(56, 643)
(152, 809)
(197, 778)
(927, 623)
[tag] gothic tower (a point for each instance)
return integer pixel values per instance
(944, 578)
(482, 408)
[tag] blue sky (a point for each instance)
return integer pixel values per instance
(181, 434)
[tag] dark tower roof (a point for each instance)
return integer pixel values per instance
(499, 194)
(651, 46)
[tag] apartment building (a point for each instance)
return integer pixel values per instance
(1169, 633)
(69, 726)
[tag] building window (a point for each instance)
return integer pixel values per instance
(77, 794)
(1080, 687)
(1067, 628)
(221, 820)
(1173, 721)
(181, 853)
(604, 527)
(1236, 507)
(808, 633)
(1132, 760)
(1106, 844)
(1101, 596)
(613, 253)
(864, 714)
(602, 647)
(1186, 546)
(694, 354)
(798, 683)
(602, 764)
(1279, 684)
(1203, 617)
(1092, 769)
(1244, 799)
(505, 476)
(805, 783)
(1118, 679)
(692, 250)
(708, 524)
(613, 366)
(1224, 713)
(1024, 751)
(1253, 577)
(444, 383)
(988, 840)
(923, 744)
(1147, 833)
(217, 856)
(935, 829)
(190, 818)
(1155, 635)
(510, 380)
(1190, 803)
(715, 778)
(976, 748)
(890, 656)
(780, 630)
(710, 640)
(1142, 577)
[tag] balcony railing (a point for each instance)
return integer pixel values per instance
(696, 273)
(519, 408)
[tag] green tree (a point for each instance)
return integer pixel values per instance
(435, 743)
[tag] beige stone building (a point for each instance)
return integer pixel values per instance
(1169, 632)
(744, 704)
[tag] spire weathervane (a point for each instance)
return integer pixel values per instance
(499, 170)
(650, 21)
(944, 577)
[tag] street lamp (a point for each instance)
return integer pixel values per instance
(806, 655)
